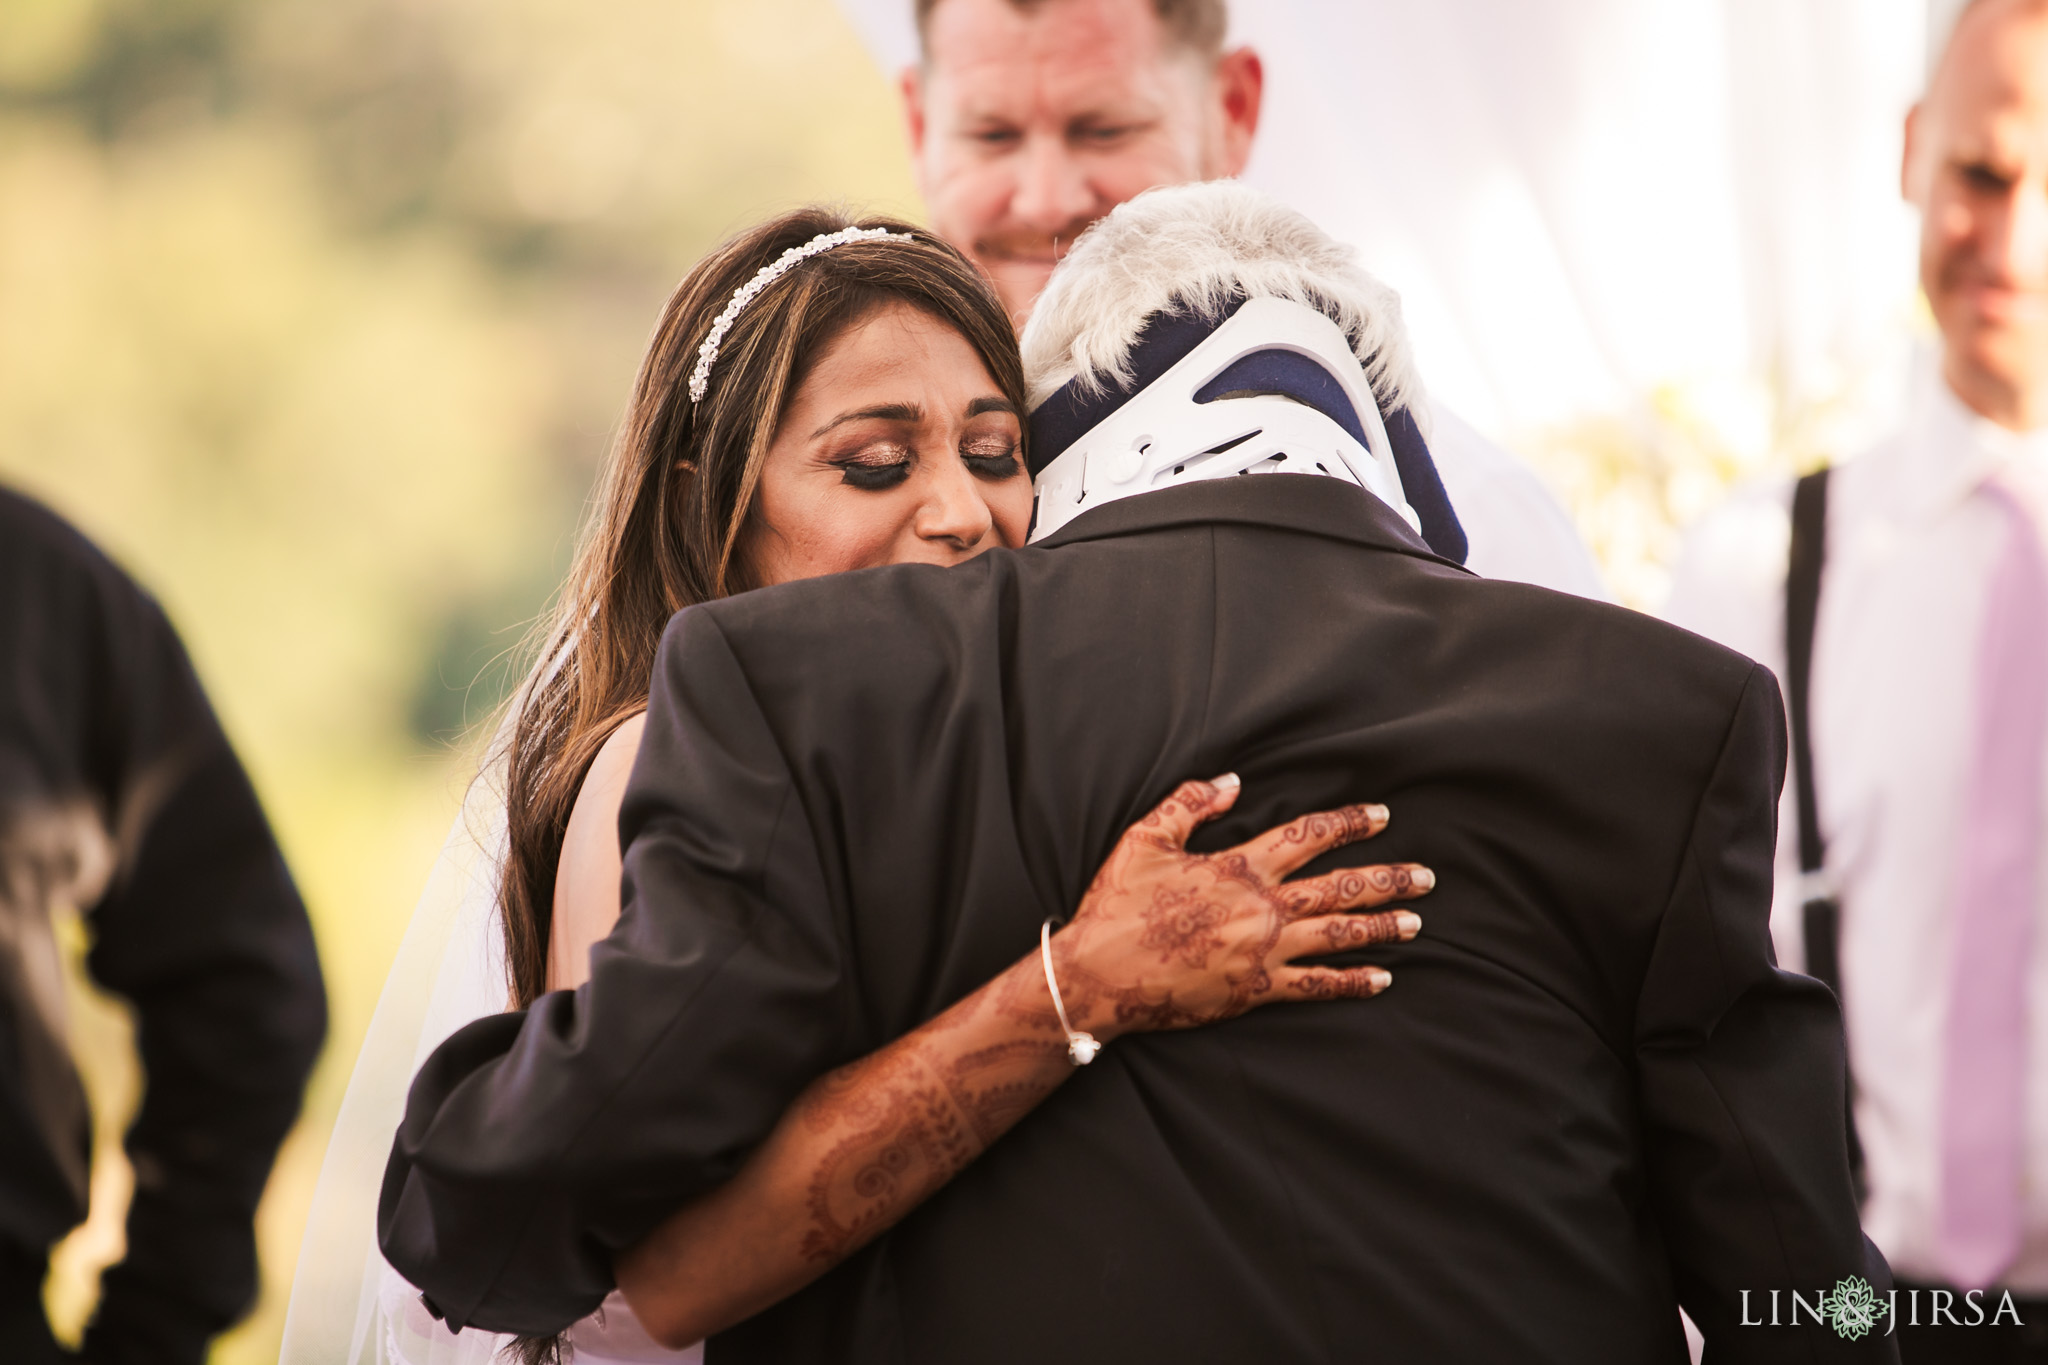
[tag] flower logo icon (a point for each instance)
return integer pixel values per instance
(1853, 1308)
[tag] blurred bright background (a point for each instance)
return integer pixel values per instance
(318, 313)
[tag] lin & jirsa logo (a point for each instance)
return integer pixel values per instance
(1853, 1308)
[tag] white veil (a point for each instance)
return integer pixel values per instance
(347, 1306)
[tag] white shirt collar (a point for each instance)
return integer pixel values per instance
(1952, 450)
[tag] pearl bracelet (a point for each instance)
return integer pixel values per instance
(1081, 1047)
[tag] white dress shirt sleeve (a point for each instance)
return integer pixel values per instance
(1517, 530)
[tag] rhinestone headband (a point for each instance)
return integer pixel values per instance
(707, 354)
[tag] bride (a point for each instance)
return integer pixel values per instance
(819, 397)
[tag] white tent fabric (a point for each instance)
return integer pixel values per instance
(1584, 201)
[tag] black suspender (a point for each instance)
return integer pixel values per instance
(1821, 911)
(1802, 609)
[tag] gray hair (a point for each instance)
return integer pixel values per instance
(1196, 247)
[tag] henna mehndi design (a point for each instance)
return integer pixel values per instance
(1333, 828)
(915, 1121)
(1163, 939)
(1323, 983)
(1342, 933)
(1181, 923)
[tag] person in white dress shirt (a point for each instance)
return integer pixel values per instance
(1928, 690)
(1031, 119)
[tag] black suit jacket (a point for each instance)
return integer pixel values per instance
(106, 738)
(1589, 1097)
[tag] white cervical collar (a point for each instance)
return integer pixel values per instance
(1163, 437)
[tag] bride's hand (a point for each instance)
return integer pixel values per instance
(1165, 938)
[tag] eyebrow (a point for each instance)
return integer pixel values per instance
(1107, 118)
(911, 412)
(886, 412)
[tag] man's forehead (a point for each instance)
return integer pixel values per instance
(1993, 82)
(1063, 47)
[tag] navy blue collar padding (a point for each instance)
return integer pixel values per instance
(1068, 414)
(1291, 373)
(1441, 528)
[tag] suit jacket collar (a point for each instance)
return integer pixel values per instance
(1287, 502)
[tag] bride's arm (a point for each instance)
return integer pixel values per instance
(1163, 938)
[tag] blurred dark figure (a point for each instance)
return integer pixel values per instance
(120, 796)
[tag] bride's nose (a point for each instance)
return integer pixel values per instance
(954, 511)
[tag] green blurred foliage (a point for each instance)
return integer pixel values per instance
(318, 314)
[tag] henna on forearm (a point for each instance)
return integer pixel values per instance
(858, 1150)
(906, 1121)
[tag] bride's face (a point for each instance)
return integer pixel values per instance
(898, 448)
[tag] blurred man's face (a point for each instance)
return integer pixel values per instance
(1977, 166)
(1028, 125)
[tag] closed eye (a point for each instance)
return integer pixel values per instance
(1106, 134)
(991, 457)
(875, 469)
(994, 468)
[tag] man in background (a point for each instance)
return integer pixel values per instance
(1031, 119)
(120, 798)
(1926, 706)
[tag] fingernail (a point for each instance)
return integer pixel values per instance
(1423, 878)
(1408, 922)
(1379, 814)
(1225, 783)
(1381, 979)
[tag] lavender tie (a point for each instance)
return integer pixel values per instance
(1996, 892)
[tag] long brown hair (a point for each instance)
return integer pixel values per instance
(675, 497)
